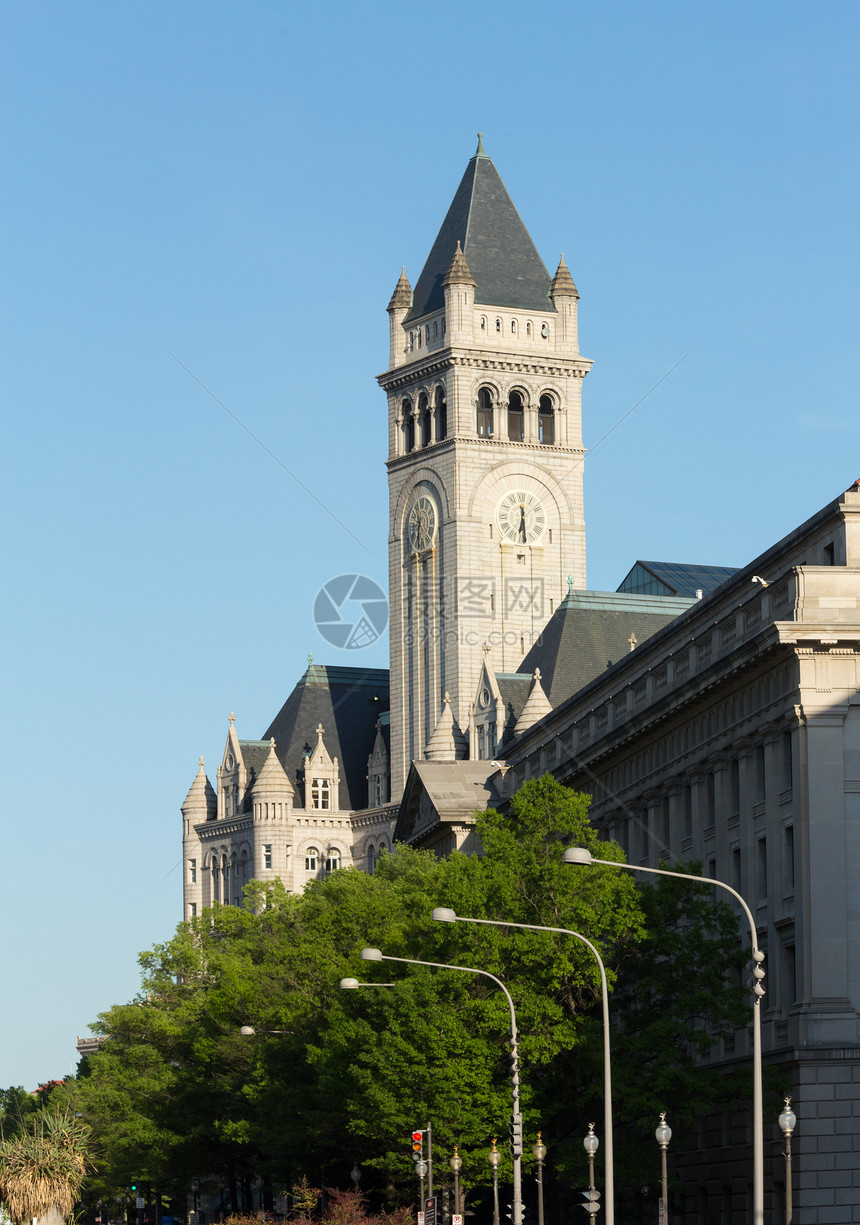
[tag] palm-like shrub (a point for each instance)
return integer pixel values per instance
(41, 1170)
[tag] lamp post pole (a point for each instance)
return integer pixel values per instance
(663, 1135)
(494, 1157)
(788, 1122)
(456, 1163)
(591, 1144)
(371, 954)
(539, 1151)
(421, 1170)
(444, 914)
(580, 855)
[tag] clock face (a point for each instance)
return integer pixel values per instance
(422, 525)
(521, 517)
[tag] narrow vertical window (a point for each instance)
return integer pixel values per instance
(267, 855)
(546, 421)
(788, 861)
(424, 420)
(785, 769)
(485, 413)
(688, 812)
(498, 325)
(192, 870)
(761, 869)
(516, 417)
(371, 860)
(408, 426)
(441, 415)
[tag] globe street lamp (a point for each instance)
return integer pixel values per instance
(580, 855)
(421, 1171)
(516, 1117)
(788, 1122)
(539, 1151)
(663, 1135)
(494, 1157)
(456, 1164)
(591, 1144)
(444, 914)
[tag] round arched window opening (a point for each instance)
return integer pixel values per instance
(546, 421)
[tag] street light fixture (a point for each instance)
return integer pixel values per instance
(248, 1031)
(516, 1118)
(663, 1135)
(494, 1157)
(539, 1151)
(591, 1145)
(444, 914)
(456, 1164)
(788, 1122)
(581, 855)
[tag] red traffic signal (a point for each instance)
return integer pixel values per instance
(416, 1137)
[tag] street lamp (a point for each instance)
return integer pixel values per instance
(444, 914)
(539, 1151)
(355, 1175)
(248, 1031)
(456, 1164)
(788, 1122)
(352, 984)
(421, 1171)
(580, 855)
(591, 1145)
(516, 1117)
(663, 1135)
(494, 1157)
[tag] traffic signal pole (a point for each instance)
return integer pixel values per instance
(429, 1131)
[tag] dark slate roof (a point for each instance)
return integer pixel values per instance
(674, 578)
(254, 753)
(514, 690)
(498, 248)
(348, 702)
(589, 631)
(455, 789)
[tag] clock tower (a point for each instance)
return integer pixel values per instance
(485, 459)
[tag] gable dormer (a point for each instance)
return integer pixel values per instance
(378, 771)
(322, 777)
(486, 715)
(232, 775)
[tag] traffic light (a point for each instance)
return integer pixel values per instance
(516, 1135)
(418, 1146)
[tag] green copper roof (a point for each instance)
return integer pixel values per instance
(502, 258)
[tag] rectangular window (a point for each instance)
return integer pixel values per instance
(759, 776)
(688, 812)
(193, 910)
(785, 770)
(761, 869)
(788, 861)
(192, 870)
(735, 881)
(664, 826)
(267, 855)
(734, 788)
(711, 799)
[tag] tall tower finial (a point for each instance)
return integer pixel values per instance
(480, 151)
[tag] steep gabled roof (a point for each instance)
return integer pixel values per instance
(674, 578)
(502, 258)
(589, 631)
(347, 702)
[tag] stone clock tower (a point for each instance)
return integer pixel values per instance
(485, 459)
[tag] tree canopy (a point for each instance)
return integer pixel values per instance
(176, 1092)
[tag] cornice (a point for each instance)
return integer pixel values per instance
(211, 831)
(400, 461)
(550, 367)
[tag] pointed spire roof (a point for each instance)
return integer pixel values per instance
(201, 800)
(447, 742)
(504, 261)
(562, 282)
(272, 781)
(537, 705)
(458, 272)
(402, 295)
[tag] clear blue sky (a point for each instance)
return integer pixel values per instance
(238, 185)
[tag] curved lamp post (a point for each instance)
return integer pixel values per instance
(376, 955)
(494, 1157)
(539, 1151)
(591, 1145)
(663, 1134)
(444, 914)
(580, 855)
(456, 1164)
(788, 1122)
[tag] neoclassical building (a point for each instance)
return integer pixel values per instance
(712, 713)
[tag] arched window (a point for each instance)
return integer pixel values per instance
(408, 426)
(498, 325)
(435, 328)
(513, 327)
(546, 421)
(216, 880)
(427, 335)
(485, 413)
(424, 420)
(544, 330)
(516, 417)
(312, 856)
(441, 414)
(371, 859)
(332, 859)
(483, 323)
(321, 793)
(529, 328)
(411, 341)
